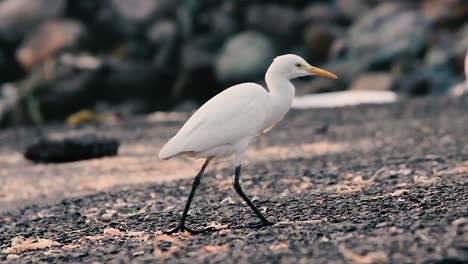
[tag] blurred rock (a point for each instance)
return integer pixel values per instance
(321, 13)
(446, 13)
(17, 17)
(434, 76)
(85, 10)
(127, 109)
(386, 33)
(462, 87)
(186, 106)
(437, 58)
(71, 149)
(144, 10)
(164, 36)
(373, 81)
(460, 48)
(245, 56)
(319, 38)
(131, 79)
(265, 18)
(426, 81)
(162, 31)
(353, 9)
(222, 23)
(200, 52)
(318, 85)
(48, 39)
(348, 70)
(459, 89)
(72, 93)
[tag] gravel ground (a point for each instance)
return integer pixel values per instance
(367, 184)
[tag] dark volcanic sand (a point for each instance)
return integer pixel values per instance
(329, 206)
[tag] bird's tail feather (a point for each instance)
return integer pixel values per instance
(170, 149)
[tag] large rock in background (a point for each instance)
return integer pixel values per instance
(460, 47)
(245, 57)
(18, 17)
(319, 37)
(143, 10)
(386, 33)
(443, 12)
(322, 13)
(353, 9)
(48, 39)
(276, 20)
(163, 52)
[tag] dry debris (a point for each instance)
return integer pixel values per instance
(107, 232)
(20, 244)
(424, 180)
(215, 225)
(185, 235)
(372, 257)
(456, 170)
(52, 252)
(214, 249)
(12, 257)
(175, 246)
(70, 247)
(353, 183)
(135, 233)
(288, 222)
(279, 246)
(113, 232)
(400, 192)
(109, 213)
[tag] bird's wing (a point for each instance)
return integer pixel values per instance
(234, 114)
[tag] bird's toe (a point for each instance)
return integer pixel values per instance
(180, 229)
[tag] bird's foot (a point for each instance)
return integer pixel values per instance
(182, 228)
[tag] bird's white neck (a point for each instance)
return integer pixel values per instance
(281, 92)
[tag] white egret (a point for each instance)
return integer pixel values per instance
(229, 121)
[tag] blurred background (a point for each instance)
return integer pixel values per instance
(77, 59)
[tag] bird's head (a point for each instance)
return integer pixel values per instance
(293, 66)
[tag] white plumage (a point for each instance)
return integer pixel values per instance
(221, 124)
(226, 124)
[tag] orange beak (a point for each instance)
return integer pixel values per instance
(321, 72)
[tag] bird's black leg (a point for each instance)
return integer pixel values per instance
(238, 189)
(196, 182)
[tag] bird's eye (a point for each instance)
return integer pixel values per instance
(298, 65)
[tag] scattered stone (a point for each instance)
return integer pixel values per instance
(245, 57)
(71, 149)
